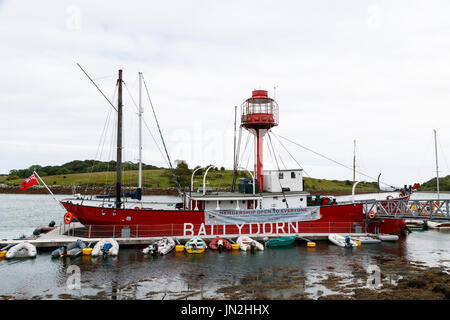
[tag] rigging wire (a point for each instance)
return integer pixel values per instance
(245, 149)
(162, 139)
(278, 167)
(102, 138)
(97, 87)
(343, 165)
(291, 155)
(250, 153)
(279, 154)
(146, 125)
(443, 154)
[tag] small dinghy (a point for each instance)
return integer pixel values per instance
(387, 237)
(106, 247)
(367, 240)
(72, 250)
(247, 243)
(162, 247)
(195, 245)
(342, 241)
(438, 224)
(413, 224)
(21, 250)
(220, 244)
(281, 242)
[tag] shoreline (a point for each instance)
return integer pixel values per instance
(5, 189)
(145, 191)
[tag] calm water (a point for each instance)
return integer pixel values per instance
(175, 276)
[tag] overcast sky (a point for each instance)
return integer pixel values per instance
(374, 71)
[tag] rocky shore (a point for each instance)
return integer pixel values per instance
(400, 280)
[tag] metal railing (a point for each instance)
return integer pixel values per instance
(210, 231)
(423, 209)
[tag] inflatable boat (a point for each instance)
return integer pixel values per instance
(220, 244)
(280, 242)
(387, 237)
(106, 247)
(72, 250)
(367, 240)
(247, 243)
(342, 241)
(438, 224)
(162, 247)
(195, 245)
(22, 250)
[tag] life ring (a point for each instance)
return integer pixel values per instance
(372, 214)
(68, 217)
(389, 197)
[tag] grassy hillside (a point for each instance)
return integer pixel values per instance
(162, 179)
(430, 185)
(155, 178)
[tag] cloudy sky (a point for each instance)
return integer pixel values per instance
(375, 71)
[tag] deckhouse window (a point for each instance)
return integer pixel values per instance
(292, 175)
(280, 175)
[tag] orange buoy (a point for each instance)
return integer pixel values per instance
(68, 217)
(372, 214)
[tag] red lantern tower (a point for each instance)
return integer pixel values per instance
(258, 115)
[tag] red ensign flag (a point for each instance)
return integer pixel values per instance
(30, 181)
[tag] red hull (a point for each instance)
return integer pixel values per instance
(107, 222)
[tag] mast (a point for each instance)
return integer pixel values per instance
(140, 133)
(119, 142)
(354, 161)
(437, 166)
(233, 186)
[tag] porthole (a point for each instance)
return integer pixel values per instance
(103, 212)
(128, 218)
(114, 213)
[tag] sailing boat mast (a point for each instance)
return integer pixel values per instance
(437, 166)
(119, 143)
(354, 161)
(140, 134)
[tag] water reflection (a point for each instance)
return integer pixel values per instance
(273, 273)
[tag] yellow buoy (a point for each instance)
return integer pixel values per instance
(358, 243)
(87, 251)
(3, 253)
(235, 246)
(311, 244)
(179, 248)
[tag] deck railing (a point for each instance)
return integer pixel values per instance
(405, 209)
(178, 230)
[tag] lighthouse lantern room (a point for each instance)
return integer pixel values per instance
(258, 115)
